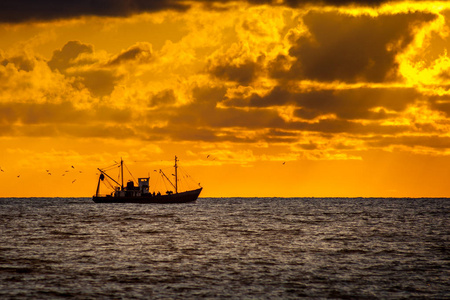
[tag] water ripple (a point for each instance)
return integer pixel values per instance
(260, 248)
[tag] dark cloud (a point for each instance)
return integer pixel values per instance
(117, 131)
(163, 98)
(130, 54)
(21, 63)
(243, 73)
(440, 103)
(201, 120)
(356, 103)
(66, 57)
(345, 104)
(308, 146)
(203, 112)
(181, 133)
(75, 130)
(434, 141)
(335, 126)
(295, 3)
(351, 48)
(104, 113)
(34, 113)
(140, 51)
(16, 11)
(99, 82)
(204, 119)
(301, 3)
(59, 113)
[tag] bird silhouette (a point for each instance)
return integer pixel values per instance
(74, 181)
(284, 162)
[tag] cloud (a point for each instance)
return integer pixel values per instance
(351, 48)
(163, 98)
(141, 52)
(350, 104)
(98, 82)
(20, 62)
(27, 78)
(304, 77)
(34, 113)
(296, 3)
(77, 60)
(204, 112)
(204, 119)
(334, 126)
(64, 119)
(25, 10)
(431, 141)
(15, 11)
(66, 57)
(59, 113)
(243, 73)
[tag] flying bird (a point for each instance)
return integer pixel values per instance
(73, 167)
(18, 176)
(207, 156)
(74, 181)
(284, 162)
(1, 170)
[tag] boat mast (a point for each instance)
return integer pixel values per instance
(121, 171)
(176, 176)
(98, 185)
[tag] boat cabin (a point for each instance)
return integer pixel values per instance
(134, 191)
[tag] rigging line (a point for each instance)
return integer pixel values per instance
(111, 167)
(188, 176)
(111, 185)
(134, 179)
(106, 181)
(164, 182)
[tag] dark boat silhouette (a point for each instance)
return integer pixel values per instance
(141, 193)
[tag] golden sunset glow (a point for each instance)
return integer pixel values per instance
(256, 98)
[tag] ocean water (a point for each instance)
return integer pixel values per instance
(225, 248)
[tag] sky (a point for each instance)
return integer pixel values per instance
(257, 98)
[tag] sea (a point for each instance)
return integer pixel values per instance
(225, 248)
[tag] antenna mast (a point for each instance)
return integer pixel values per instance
(121, 171)
(176, 175)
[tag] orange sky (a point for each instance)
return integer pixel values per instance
(256, 98)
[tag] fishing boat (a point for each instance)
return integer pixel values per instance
(141, 192)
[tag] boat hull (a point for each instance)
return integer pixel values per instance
(183, 197)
